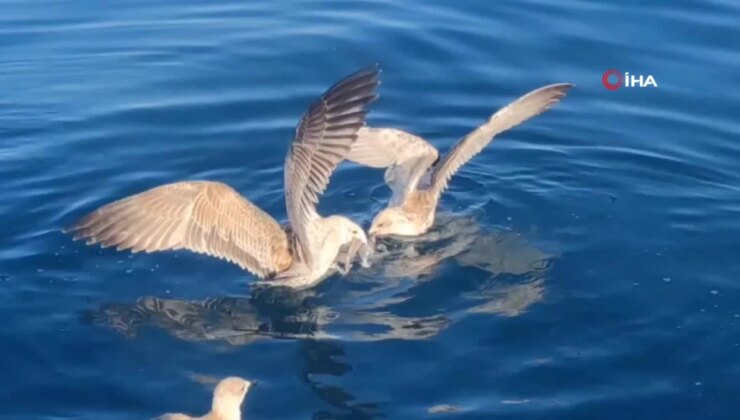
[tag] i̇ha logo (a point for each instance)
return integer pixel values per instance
(613, 80)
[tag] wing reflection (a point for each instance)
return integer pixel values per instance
(235, 320)
(507, 300)
(510, 278)
(461, 239)
(244, 320)
(398, 298)
(323, 358)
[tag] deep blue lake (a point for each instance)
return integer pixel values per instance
(585, 265)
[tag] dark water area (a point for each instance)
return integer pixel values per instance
(584, 266)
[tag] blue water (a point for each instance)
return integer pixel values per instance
(585, 265)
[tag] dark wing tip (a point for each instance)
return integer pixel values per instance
(324, 137)
(361, 83)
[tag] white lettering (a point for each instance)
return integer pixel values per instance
(636, 81)
(651, 81)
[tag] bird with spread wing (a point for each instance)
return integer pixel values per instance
(211, 218)
(416, 175)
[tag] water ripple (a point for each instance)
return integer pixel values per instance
(572, 257)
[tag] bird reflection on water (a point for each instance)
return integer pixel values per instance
(513, 279)
(506, 276)
(323, 358)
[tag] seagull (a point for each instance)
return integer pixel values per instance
(211, 218)
(227, 402)
(416, 174)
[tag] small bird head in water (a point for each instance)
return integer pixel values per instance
(394, 221)
(229, 395)
(227, 401)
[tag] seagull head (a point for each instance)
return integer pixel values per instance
(394, 221)
(229, 395)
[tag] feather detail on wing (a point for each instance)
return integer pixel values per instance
(524, 108)
(322, 140)
(201, 216)
(407, 157)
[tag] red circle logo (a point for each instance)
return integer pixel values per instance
(609, 85)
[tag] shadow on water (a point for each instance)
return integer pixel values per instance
(389, 300)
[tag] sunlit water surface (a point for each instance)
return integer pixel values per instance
(585, 265)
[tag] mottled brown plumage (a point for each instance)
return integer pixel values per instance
(202, 216)
(211, 218)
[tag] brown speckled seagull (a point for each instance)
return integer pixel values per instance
(212, 218)
(417, 177)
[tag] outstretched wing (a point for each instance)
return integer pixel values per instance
(407, 157)
(515, 113)
(323, 139)
(205, 217)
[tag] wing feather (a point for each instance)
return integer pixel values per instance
(323, 139)
(407, 157)
(201, 216)
(524, 108)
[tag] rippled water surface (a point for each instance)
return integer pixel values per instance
(585, 265)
